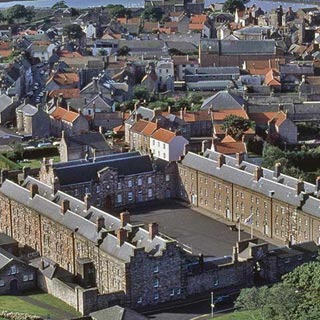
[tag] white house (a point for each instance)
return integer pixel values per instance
(164, 70)
(90, 30)
(167, 145)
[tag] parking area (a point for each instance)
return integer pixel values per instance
(199, 233)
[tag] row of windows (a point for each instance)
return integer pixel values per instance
(130, 196)
(156, 296)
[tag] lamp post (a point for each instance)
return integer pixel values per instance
(212, 305)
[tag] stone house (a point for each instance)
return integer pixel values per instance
(71, 122)
(15, 275)
(277, 123)
(282, 207)
(90, 144)
(164, 69)
(7, 108)
(118, 180)
(228, 53)
(32, 121)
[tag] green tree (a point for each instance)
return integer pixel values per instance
(158, 105)
(123, 51)
(73, 31)
(152, 13)
(141, 93)
(59, 5)
(19, 11)
(232, 5)
(119, 11)
(235, 126)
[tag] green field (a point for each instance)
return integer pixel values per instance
(38, 303)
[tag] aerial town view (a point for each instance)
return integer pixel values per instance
(159, 159)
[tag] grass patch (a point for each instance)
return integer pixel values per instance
(51, 300)
(48, 305)
(238, 315)
(14, 303)
(36, 163)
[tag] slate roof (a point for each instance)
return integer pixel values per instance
(5, 101)
(80, 171)
(95, 140)
(83, 221)
(238, 47)
(116, 313)
(282, 188)
(28, 109)
(223, 100)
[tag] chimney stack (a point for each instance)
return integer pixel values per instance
(122, 236)
(33, 190)
(182, 113)
(153, 230)
(65, 206)
(258, 173)
(277, 170)
(221, 160)
(300, 186)
(235, 254)
(239, 158)
(87, 201)
(124, 218)
(100, 129)
(318, 184)
(100, 223)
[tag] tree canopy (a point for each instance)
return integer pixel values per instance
(296, 298)
(235, 126)
(17, 12)
(118, 11)
(123, 51)
(232, 5)
(73, 31)
(59, 5)
(152, 13)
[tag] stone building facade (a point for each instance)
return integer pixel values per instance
(118, 180)
(279, 206)
(89, 257)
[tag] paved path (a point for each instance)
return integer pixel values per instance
(53, 312)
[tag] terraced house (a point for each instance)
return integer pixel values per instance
(281, 207)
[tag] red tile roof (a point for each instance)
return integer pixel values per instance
(229, 146)
(67, 93)
(139, 126)
(220, 115)
(149, 129)
(64, 114)
(272, 78)
(262, 117)
(66, 78)
(67, 54)
(163, 135)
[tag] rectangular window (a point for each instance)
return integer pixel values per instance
(1, 283)
(155, 269)
(130, 196)
(164, 155)
(149, 193)
(25, 277)
(167, 177)
(139, 300)
(171, 292)
(156, 296)
(129, 183)
(139, 182)
(153, 142)
(119, 185)
(119, 198)
(164, 146)
(30, 278)
(13, 270)
(98, 189)
(178, 291)
(149, 180)
(155, 283)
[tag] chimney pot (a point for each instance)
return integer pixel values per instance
(87, 201)
(300, 186)
(277, 170)
(221, 160)
(122, 236)
(258, 173)
(100, 223)
(239, 158)
(65, 206)
(153, 230)
(124, 218)
(318, 184)
(33, 190)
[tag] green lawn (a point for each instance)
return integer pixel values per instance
(36, 163)
(14, 303)
(27, 303)
(238, 315)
